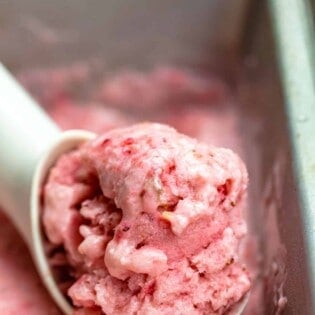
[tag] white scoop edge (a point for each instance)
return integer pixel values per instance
(30, 144)
(68, 140)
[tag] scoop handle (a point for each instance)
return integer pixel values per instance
(25, 134)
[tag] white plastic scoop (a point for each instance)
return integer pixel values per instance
(30, 144)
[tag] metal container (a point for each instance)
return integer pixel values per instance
(234, 40)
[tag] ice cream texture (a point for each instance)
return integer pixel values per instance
(145, 220)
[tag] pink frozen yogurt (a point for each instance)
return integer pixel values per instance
(88, 116)
(145, 220)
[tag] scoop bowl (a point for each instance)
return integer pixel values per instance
(67, 141)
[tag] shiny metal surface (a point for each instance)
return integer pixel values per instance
(293, 27)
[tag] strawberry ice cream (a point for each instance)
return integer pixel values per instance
(92, 116)
(198, 105)
(145, 220)
(162, 87)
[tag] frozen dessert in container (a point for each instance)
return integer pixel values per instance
(145, 220)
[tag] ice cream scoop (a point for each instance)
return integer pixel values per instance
(31, 143)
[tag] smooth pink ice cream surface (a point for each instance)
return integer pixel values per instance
(88, 116)
(162, 87)
(21, 289)
(150, 221)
